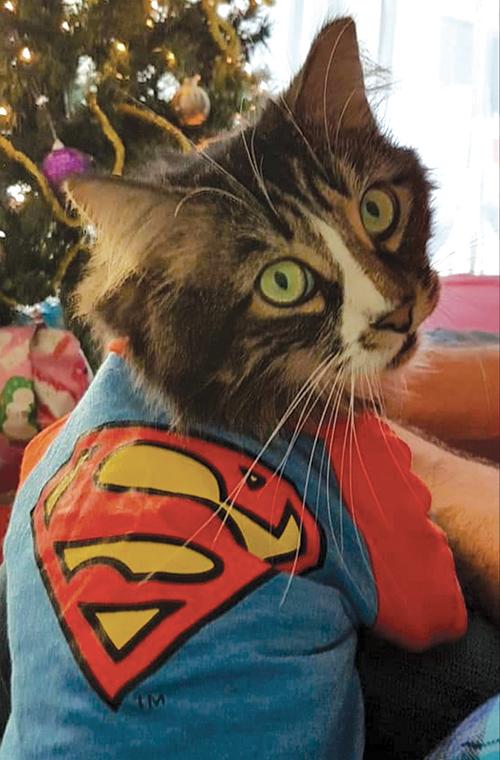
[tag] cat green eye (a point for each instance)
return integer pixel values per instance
(379, 212)
(286, 283)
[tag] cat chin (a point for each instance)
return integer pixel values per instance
(367, 364)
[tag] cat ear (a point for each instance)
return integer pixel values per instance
(106, 203)
(131, 223)
(329, 92)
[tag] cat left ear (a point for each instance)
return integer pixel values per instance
(131, 222)
(108, 202)
(329, 92)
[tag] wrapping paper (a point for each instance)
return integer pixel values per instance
(43, 374)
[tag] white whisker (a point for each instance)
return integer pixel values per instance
(332, 428)
(306, 488)
(309, 387)
(316, 160)
(253, 164)
(342, 114)
(232, 179)
(325, 88)
(216, 190)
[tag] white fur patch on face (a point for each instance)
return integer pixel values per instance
(363, 302)
(363, 362)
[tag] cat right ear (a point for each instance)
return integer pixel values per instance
(329, 92)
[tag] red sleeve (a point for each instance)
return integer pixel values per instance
(420, 603)
(37, 447)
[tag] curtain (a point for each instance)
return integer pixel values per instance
(442, 57)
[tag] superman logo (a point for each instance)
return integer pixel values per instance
(143, 537)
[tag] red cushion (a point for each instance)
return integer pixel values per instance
(468, 302)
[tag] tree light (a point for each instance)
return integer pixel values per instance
(120, 47)
(157, 11)
(17, 194)
(65, 27)
(6, 116)
(9, 6)
(26, 55)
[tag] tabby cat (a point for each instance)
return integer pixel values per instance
(293, 250)
(181, 590)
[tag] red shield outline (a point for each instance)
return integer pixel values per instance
(98, 533)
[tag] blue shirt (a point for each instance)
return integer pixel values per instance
(189, 596)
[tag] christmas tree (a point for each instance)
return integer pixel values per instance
(89, 85)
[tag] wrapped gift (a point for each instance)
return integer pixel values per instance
(43, 374)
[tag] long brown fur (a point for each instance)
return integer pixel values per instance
(180, 248)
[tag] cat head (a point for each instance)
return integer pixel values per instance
(289, 256)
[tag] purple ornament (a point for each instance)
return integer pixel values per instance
(63, 162)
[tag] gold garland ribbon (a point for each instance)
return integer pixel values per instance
(32, 168)
(158, 121)
(254, 4)
(222, 31)
(110, 133)
(65, 262)
(8, 301)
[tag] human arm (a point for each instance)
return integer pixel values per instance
(466, 505)
(452, 393)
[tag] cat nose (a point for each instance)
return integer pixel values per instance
(399, 320)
